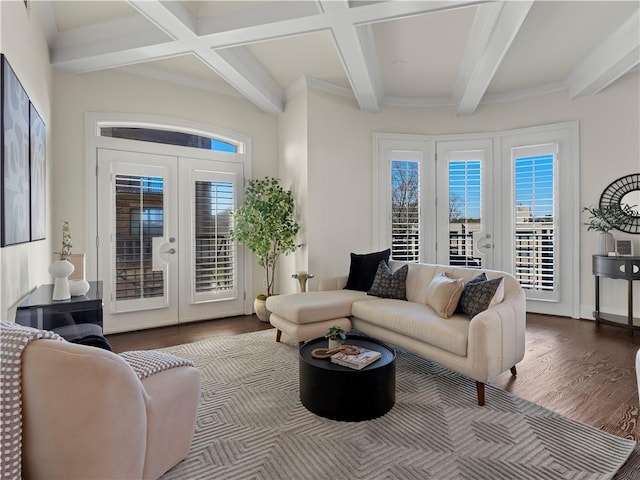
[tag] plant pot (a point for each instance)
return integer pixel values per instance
(606, 243)
(60, 270)
(333, 344)
(260, 307)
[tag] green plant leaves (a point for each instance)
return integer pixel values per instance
(266, 223)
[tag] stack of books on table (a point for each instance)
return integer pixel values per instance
(359, 361)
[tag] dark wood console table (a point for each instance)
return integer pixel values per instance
(38, 310)
(624, 268)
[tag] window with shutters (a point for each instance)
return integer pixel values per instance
(464, 211)
(535, 217)
(214, 255)
(405, 210)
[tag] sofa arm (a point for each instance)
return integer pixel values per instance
(497, 338)
(335, 283)
(84, 413)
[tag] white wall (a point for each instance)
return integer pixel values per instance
(23, 267)
(340, 165)
(75, 95)
(293, 171)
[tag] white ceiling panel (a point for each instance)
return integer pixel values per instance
(70, 15)
(419, 56)
(314, 55)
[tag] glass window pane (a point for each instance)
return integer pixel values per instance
(168, 138)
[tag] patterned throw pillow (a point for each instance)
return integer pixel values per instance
(478, 278)
(477, 295)
(443, 294)
(388, 284)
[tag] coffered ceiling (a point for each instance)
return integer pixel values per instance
(420, 53)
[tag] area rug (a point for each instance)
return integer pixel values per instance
(251, 425)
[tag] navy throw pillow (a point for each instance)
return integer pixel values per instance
(363, 269)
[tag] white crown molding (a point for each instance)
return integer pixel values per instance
(614, 57)
(417, 102)
(525, 93)
(510, 19)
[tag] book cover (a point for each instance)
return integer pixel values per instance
(359, 361)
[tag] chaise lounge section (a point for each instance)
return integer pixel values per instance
(427, 323)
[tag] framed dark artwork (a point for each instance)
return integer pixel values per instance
(15, 191)
(37, 157)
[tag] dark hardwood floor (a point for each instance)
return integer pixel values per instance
(573, 367)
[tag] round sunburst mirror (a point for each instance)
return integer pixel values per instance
(625, 193)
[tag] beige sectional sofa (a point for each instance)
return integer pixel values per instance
(481, 347)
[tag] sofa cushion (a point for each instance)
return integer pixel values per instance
(312, 307)
(477, 296)
(363, 269)
(417, 321)
(388, 284)
(443, 294)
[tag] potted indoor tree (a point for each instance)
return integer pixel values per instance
(266, 225)
(606, 218)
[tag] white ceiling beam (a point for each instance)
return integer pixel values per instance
(237, 67)
(352, 54)
(614, 57)
(505, 29)
(391, 10)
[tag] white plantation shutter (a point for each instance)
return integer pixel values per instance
(213, 254)
(405, 210)
(535, 220)
(465, 203)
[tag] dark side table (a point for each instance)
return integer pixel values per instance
(38, 310)
(343, 393)
(623, 268)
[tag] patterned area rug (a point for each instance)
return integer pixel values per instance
(251, 425)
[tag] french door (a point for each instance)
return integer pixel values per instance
(465, 233)
(164, 252)
(440, 202)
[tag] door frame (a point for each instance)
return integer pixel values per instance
(95, 120)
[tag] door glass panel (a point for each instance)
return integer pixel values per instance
(139, 217)
(405, 210)
(214, 256)
(465, 203)
(534, 222)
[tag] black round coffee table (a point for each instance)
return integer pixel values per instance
(343, 393)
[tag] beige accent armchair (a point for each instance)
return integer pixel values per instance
(87, 415)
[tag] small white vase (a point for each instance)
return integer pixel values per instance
(333, 344)
(260, 307)
(78, 287)
(60, 271)
(606, 243)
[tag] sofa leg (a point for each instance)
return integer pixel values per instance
(278, 335)
(514, 372)
(480, 390)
